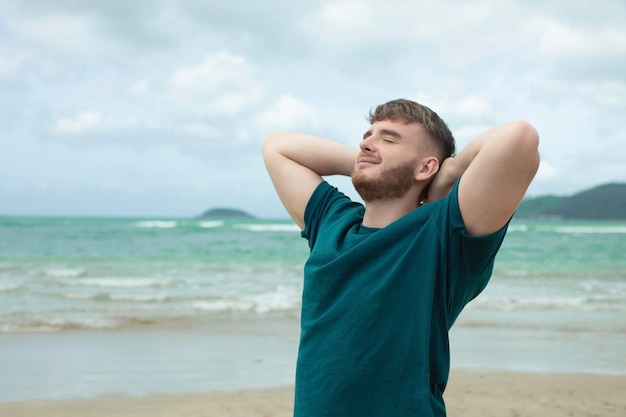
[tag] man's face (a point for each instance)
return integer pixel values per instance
(386, 165)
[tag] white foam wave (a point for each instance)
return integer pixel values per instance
(7, 287)
(80, 296)
(281, 299)
(613, 289)
(580, 303)
(64, 272)
(269, 227)
(58, 324)
(156, 224)
(518, 228)
(221, 305)
(116, 282)
(104, 296)
(143, 298)
(212, 224)
(591, 229)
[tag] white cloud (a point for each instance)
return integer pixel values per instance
(612, 94)
(452, 106)
(84, 121)
(92, 122)
(222, 85)
(140, 87)
(199, 130)
(10, 66)
(546, 171)
(345, 17)
(206, 83)
(466, 133)
(233, 103)
(62, 31)
(471, 107)
(288, 113)
(217, 72)
(349, 22)
(556, 38)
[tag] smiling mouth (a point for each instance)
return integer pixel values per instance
(367, 160)
(365, 163)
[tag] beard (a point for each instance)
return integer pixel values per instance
(392, 183)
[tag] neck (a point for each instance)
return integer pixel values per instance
(381, 213)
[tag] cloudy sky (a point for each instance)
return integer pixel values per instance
(159, 108)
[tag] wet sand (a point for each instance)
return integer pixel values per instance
(469, 394)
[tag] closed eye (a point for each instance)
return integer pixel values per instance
(390, 135)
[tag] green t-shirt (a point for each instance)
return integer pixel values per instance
(377, 305)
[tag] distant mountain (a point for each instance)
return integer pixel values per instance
(226, 214)
(605, 202)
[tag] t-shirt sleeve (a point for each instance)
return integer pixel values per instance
(470, 258)
(317, 207)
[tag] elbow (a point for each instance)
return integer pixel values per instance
(276, 145)
(269, 139)
(526, 140)
(526, 134)
(270, 142)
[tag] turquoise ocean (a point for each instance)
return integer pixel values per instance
(139, 306)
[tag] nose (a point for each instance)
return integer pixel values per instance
(367, 145)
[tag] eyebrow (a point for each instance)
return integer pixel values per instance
(384, 132)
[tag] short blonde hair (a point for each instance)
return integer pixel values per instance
(409, 111)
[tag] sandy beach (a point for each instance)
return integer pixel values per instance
(469, 394)
(212, 326)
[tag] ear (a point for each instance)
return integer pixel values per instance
(427, 169)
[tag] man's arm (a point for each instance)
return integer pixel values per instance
(296, 164)
(496, 168)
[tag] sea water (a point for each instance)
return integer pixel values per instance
(96, 306)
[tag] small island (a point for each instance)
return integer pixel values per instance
(226, 214)
(604, 202)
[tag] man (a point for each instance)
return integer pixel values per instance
(385, 282)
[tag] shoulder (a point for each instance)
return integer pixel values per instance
(446, 216)
(328, 205)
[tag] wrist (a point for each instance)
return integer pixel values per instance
(451, 170)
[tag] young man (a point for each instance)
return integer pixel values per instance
(385, 282)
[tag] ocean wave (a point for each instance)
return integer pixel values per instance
(55, 318)
(8, 287)
(281, 299)
(117, 282)
(551, 326)
(211, 224)
(94, 322)
(269, 227)
(58, 324)
(64, 272)
(592, 302)
(104, 296)
(157, 224)
(612, 290)
(517, 228)
(591, 229)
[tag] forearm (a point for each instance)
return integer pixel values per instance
(453, 168)
(510, 145)
(321, 156)
(504, 148)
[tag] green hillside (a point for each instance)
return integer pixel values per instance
(226, 214)
(605, 202)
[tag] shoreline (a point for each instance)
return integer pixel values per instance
(255, 356)
(469, 394)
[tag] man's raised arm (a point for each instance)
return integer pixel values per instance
(496, 168)
(296, 164)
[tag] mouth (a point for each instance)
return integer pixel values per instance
(366, 161)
